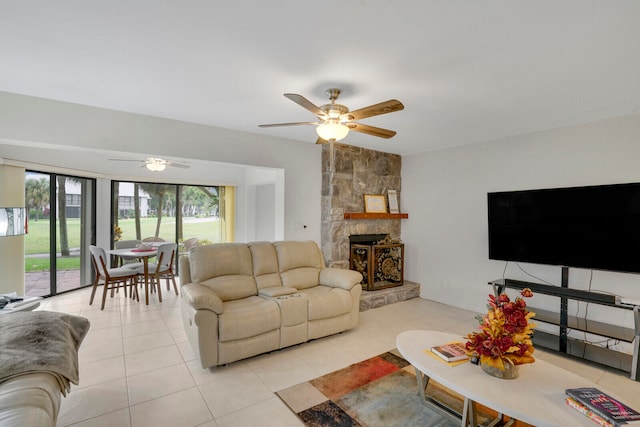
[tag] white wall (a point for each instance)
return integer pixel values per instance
(445, 193)
(265, 213)
(79, 129)
(265, 196)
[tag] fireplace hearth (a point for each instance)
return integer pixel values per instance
(379, 259)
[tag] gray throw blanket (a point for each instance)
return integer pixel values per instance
(41, 341)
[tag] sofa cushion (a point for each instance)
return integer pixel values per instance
(299, 263)
(265, 264)
(292, 254)
(325, 302)
(248, 317)
(232, 287)
(221, 259)
(226, 268)
(301, 278)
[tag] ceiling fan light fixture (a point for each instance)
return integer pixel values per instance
(332, 130)
(336, 120)
(156, 165)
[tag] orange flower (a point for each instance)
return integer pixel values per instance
(504, 333)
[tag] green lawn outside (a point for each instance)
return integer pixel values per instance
(42, 263)
(203, 229)
(37, 239)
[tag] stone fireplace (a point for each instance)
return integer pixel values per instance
(348, 173)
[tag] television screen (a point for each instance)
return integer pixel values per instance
(595, 227)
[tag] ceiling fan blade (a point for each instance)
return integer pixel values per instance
(305, 103)
(126, 160)
(374, 110)
(371, 130)
(179, 165)
(321, 141)
(271, 125)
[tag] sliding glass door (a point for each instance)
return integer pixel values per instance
(61, 226)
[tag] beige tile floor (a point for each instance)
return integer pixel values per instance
(137, 368)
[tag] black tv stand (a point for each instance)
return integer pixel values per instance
(565, 322)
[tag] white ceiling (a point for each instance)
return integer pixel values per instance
(466, 71)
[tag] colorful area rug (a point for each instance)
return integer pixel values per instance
(378, 392)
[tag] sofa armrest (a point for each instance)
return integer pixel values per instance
(201, 297)
(339, 278)
(185, 270)
(32, 399)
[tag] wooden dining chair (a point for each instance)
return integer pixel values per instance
(162, 269)
(112, 278)
(153, 239)
(125, 261)
(187, 245)
(190, 243)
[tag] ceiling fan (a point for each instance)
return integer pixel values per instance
(154, 164)
(335, 120)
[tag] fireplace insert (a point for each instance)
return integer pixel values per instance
(378, 259)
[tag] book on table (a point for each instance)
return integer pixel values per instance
(587, 412)
(610, 409)
(451, 352)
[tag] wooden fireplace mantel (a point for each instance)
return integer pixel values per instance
(378, 215)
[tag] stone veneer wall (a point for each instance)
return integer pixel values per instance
(348, 173)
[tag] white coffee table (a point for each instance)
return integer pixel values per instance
(536, 397)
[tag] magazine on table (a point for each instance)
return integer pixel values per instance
(610, 409)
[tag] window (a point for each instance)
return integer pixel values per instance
(172, 212)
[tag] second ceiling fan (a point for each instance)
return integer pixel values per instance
(335, 120)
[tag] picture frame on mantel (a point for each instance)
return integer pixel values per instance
(392, 195)
(374, 203)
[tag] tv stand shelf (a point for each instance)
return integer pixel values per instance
(575, 294)
(584, 325)
(565, 322)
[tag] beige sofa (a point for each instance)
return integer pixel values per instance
(30, 400)
(240, 300)
(38, 363)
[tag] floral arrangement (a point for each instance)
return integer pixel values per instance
(117, 233)
(505, 332)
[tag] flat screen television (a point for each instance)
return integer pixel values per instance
(596, 227)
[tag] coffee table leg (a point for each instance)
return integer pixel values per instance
(423, 382)
(469, 413)
(499, 421)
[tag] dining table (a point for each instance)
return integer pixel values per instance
(144, 255)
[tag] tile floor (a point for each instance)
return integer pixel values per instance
(137, 368)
